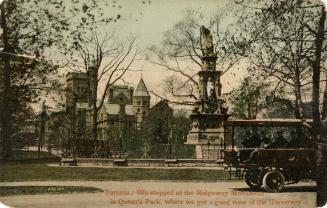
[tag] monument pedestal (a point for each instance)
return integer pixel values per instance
(210, 152)
(208, 135)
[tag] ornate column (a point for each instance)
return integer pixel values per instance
(210, 113)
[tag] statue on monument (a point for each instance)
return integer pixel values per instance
(206, 42)
(210, 88)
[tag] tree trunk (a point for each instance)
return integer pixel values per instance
(321, 174)
(321, 148)
(94, 86)
(94, 127)
(298, 109)
(42, 132)
(324, 102)
(316, 75)
(6, 105)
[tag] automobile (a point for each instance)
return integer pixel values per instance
(273, 167)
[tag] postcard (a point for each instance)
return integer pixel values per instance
(149, 103)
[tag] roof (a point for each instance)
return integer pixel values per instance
(113, 109)
(162, 106)
(141, 90)
(116, 86)
(268, 122)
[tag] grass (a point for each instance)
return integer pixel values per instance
(32, 190)
(27, 167)
(43, 172)
(30, 157)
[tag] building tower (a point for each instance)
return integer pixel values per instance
(77, 91)
(77, 99)
(141, 103)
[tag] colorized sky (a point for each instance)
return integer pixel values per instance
(148, 20)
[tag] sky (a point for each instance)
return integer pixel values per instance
(147, 21)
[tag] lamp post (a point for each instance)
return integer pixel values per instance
(169, 151)
(42, 119)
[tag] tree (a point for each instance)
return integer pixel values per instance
(254, 98)
(286, 41)
(28, 29)
(182, 125)
(161, 121)
(318, 132)
(316, 61)
(105, 61)
(279, 44)
(158, 123)
(248, 99)
(180, 53)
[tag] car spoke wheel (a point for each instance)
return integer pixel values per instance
(273, 181)
(252, 178)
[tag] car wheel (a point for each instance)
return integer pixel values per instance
(273, 181)
(252, 178)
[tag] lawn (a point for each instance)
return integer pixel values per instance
(26, 167)
(20, 156)
(31, 190)
(43, 172)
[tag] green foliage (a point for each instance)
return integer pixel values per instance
(182, 125)
(58, 125)
(253, 99)
(281, 108)
(28, 30)
(248, 100)
(277, 40)
(159, 124)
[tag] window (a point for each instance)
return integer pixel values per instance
(138, 102)
(145, 102)
(138, 110)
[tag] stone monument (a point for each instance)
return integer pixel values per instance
(208, 117)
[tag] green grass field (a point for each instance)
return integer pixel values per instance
(30, 157)
(43, 172)
(26, 167)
